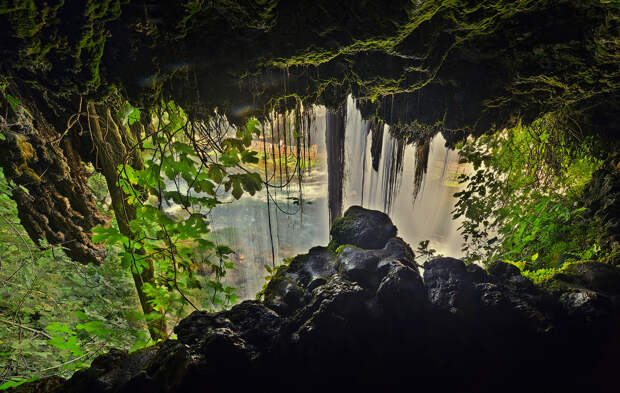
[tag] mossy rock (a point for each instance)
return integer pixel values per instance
(503, 270)
(282, 292)
(363, 228)
(291, 282)
(591, 275)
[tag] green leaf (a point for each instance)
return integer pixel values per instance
(129, 114)
(236, 189)
(96, 328)
(216, 173)
(251, 182)
(182, 147)
(224, 250)
(81, 315)
(16, 382)
(57, 327)
(108, 235)
(249, 156)
(205, 186)
(230, 158)
(253, 126)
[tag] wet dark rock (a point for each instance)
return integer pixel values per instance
(192, 328)
(358, 265)
(328, 319)
(255, 323)
(222, 348)
(110, 372)
(477, 273)
(587, 291)
(503, 270)
(165, 372)
(370, 267)
(290, 285)
(358, 318)
(251, 320)
(449, 285)
(401, 292)
(284, 294)
(368, 229)
(593, 275)
(316, 265)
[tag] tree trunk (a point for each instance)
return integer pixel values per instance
(112, 143)
(53, 200)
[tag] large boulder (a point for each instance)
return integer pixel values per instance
(369, 267)
(450, 286)
(587, 291)
(291, 285)
(368, 229)
(462, 291)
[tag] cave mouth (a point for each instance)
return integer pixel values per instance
(209, 153)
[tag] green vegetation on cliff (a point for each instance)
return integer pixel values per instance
(525, 200)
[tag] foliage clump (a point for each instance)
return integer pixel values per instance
(56, 315)
(523, 201)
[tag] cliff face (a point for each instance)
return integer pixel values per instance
(359, 315)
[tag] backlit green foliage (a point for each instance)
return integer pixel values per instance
(182, 180)
(522, 202)
(56, 315)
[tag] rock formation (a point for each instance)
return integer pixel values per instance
(358, 316)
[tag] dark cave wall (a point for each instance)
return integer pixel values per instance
(452, 67)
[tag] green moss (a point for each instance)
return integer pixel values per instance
(342, 247)
(278, 274)
(342, 224)
(296, 263)
(62, 43)
(25, 170)
(332, 246)
(26, 149)
(539, 276)
(559, 280)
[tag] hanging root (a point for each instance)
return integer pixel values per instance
(422, 152)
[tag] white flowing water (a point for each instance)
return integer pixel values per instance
(295, 227)
(390, 189)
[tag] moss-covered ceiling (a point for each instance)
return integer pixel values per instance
(454, 66)
(468, 65)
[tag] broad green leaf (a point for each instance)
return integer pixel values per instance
(57, 327)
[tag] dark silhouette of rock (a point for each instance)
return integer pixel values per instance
(363, 228)
(356, 319)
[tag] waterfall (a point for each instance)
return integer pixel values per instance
(347, 161)
(395, 174)
(297, 224)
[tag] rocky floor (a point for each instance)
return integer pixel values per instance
(358, 316)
